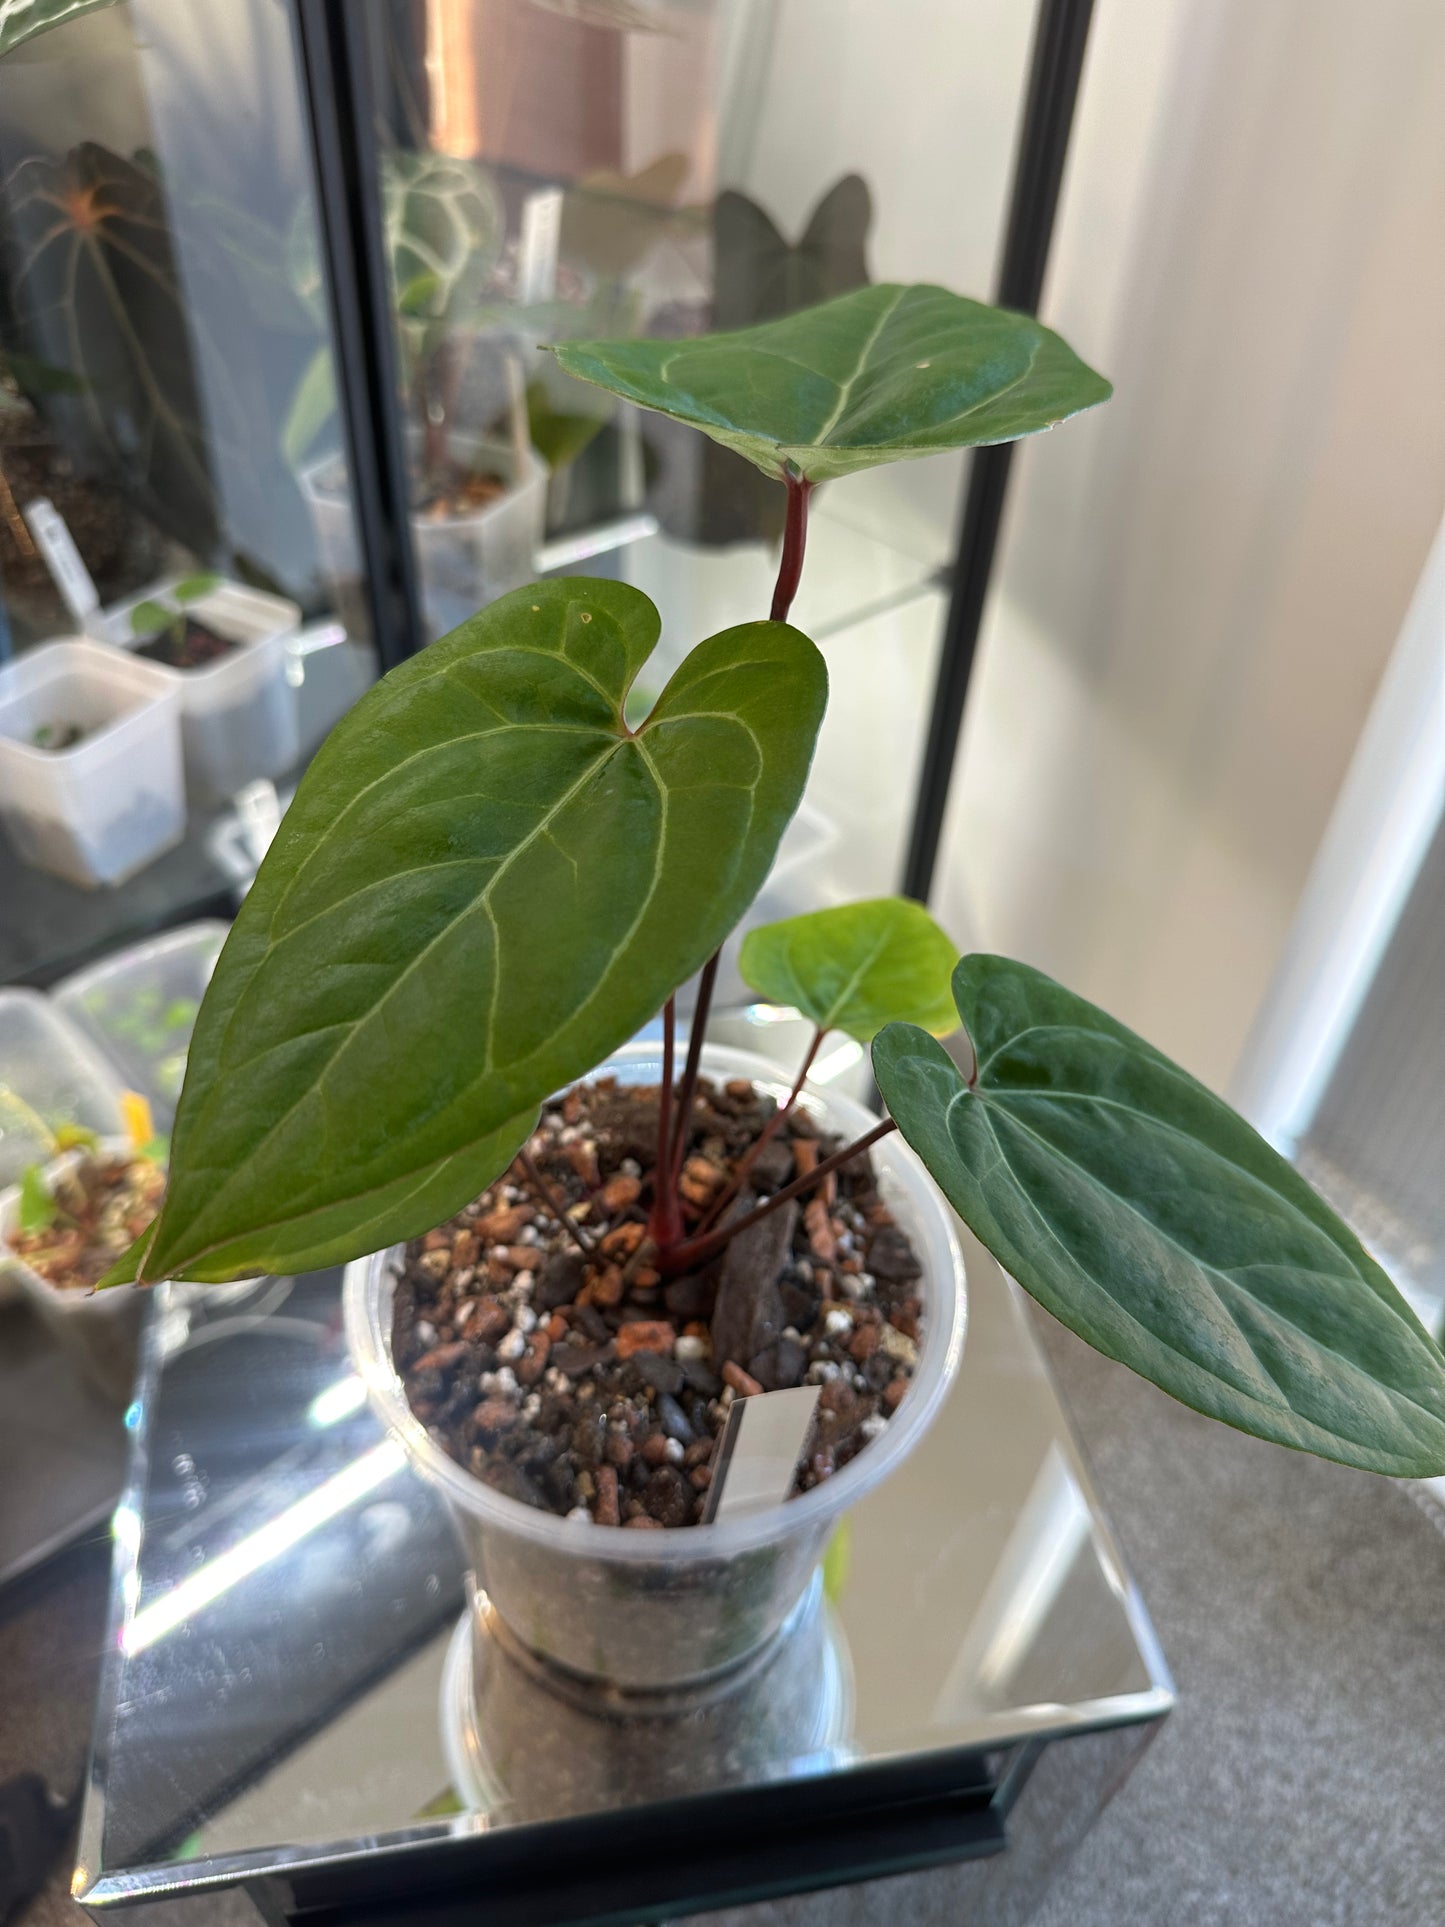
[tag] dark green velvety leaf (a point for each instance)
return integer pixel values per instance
(483, 886)
(874, 376)
(856, 967)
(1152, 1220)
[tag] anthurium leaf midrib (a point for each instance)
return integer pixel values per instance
(484, 884)
(1156, 1223)
(876, 375)
(856, 966)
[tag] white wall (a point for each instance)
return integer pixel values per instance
(1200, 586)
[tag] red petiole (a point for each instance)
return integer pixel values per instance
(665, 1224)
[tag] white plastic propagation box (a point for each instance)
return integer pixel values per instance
(99, 812)
(238, 715)
(140, 1007)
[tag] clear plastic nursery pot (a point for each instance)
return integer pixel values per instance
(648, 1611)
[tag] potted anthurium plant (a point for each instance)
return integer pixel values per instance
(489, 882)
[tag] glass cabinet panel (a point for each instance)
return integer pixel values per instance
(163, 331)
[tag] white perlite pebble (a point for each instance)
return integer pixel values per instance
(524, 1318)
(837, 1322)
(522, 1285)
(426, 1332)
(689, 1346)
(822, 1371)
(579, 1515)
(631, 1168)
(554, 1380)
(531, 1405)
(503, 1381)
(512, 1346)
(674, 1452)
(898, 1345)
(873, 1425)
(855, 1284)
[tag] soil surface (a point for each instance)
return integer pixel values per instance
(593, 1387)
(104, 1205)
(442, 499)
(187, 646)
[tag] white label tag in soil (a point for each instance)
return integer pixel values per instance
(537, 247)
(762, 1442)
(57, 548)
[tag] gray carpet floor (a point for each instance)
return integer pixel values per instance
(1300, 1782)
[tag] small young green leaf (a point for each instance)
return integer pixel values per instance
(856, 967)
(879, 375)
(191, 588)
(75, 1137)
(37, 1210)
(1157, 1224)
(148, 617)
(484, 885)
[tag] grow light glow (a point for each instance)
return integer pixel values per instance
(266, 1543)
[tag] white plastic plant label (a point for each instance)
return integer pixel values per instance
(763, 1440)
(60, 555)
(537, 248)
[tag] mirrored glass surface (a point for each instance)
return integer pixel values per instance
(293, 1668)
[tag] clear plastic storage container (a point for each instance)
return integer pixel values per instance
(50, 1075)
(140, 1007)
(238, 715)
(463, 561)
(100, 1330)
(107, 806)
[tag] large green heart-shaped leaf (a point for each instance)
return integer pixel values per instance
(856, 967)
(874, 376)
(1152, 1220)
(484, 885)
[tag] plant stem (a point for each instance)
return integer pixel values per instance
(698, 1250)
(795, 536)
(689, 1075)
(555, 1203)
(664, 1222)
(715, 1211)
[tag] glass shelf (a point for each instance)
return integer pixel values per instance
(288, 1697)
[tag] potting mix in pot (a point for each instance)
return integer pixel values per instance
(551, 1360)
(489, 880)
(74, 1224)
